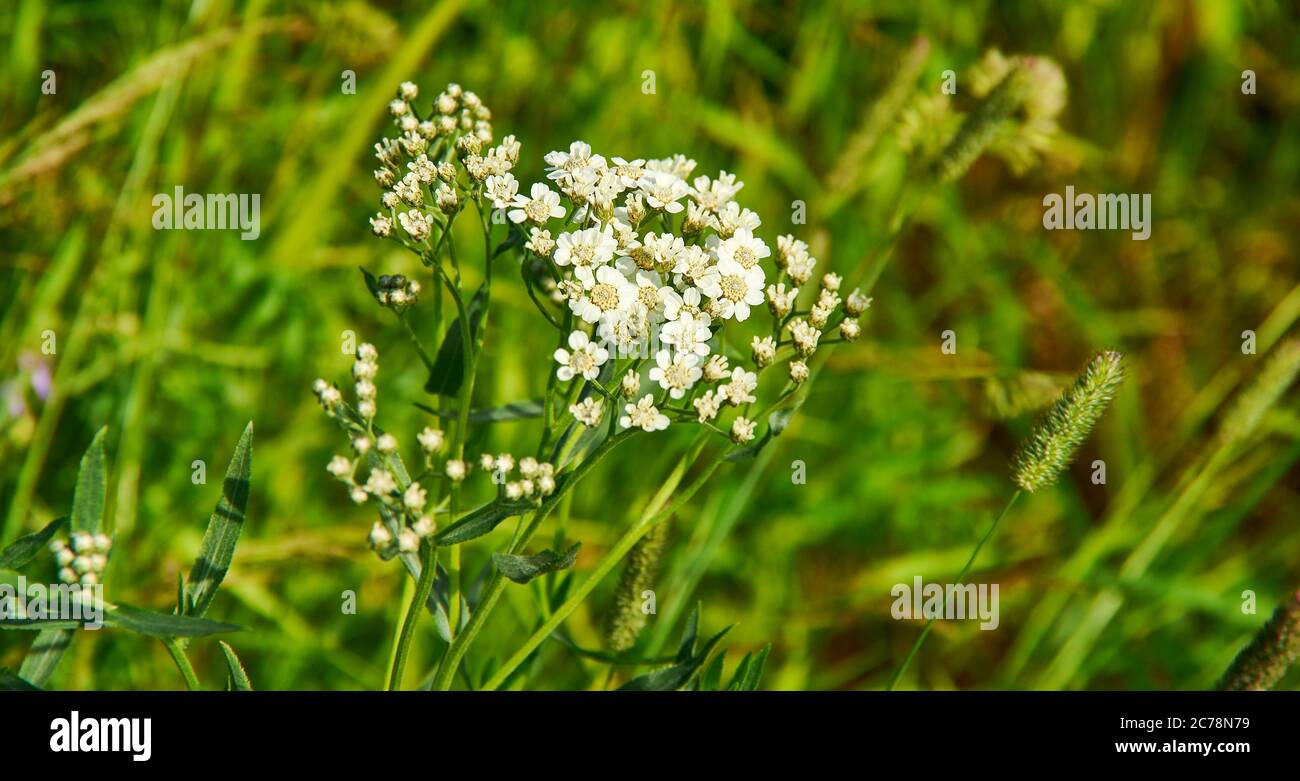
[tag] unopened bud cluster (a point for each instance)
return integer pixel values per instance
(82, 558)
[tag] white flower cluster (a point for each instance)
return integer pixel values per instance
(653, 257)
(422, 185)
(536, 478)
(83, 558)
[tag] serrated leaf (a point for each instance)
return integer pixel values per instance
(218, 547)
(678, 675)
(776, 423)
(519, 410)
(24, 549)
(155, 624)
(238, 677)
(92, 487)
(449, 367)
(12, 682)
(522, 569)
(480, 522)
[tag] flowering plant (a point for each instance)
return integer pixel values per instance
(647, 273)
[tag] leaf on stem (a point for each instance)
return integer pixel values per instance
(518, 410)
(521, 569)
(24, 549)
(448, 370)
(238, 677)
(218, 547)
(480, 521)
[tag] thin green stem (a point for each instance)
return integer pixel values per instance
(960, 578)
(607, 564)
(182, 663)
(496, 583)
(428, 568)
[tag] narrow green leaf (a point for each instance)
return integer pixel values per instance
(515, 239)
(44, 655)
(449, 367)
(24, 549)
(674, 677)
(155, 624)
(372, 284)
(711, 678)
(522, 569)
(238, 677)
(519, 410)
(218, 547)
(750, 672)
(479, 522)
(687, 647)
(92, 487)
(12, 682)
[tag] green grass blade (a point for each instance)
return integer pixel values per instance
(218, 548)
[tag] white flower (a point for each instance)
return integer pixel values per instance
(798, 372)
(339, 467)
(856, 303)
(676, 373)
(686, 302)
(608, 293)
(779, 300)
(578, 156)
(707, 406)
(424, 527)
(456, 470)
(501, 190)
(408, 90)
(417, 224)
(742, 430)
(540, 242)
(381, 226)
(430, 439)
(386, 443)
(585, 250)
(764, 350)
(735, 289)
(529, 467)
(644, 415)
(589, 412)
(359, 495)
(415, 497)
(850, 330)
(653, 297)
(733, 219)
(585, 359)
(544, 204)
(408, 541)
(688, 333)
(380, 483)
(380, 537)
(424, 169)
(361, 445)
(743, 248)
(805, 337)
(663, 190)
(694, 265)
(741, 388)
(631, 383)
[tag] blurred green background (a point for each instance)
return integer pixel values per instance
(175, 339)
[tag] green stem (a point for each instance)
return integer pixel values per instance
(428, 568)
(616, 554)
(496, 583)
(182, 663)
(960, 577)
